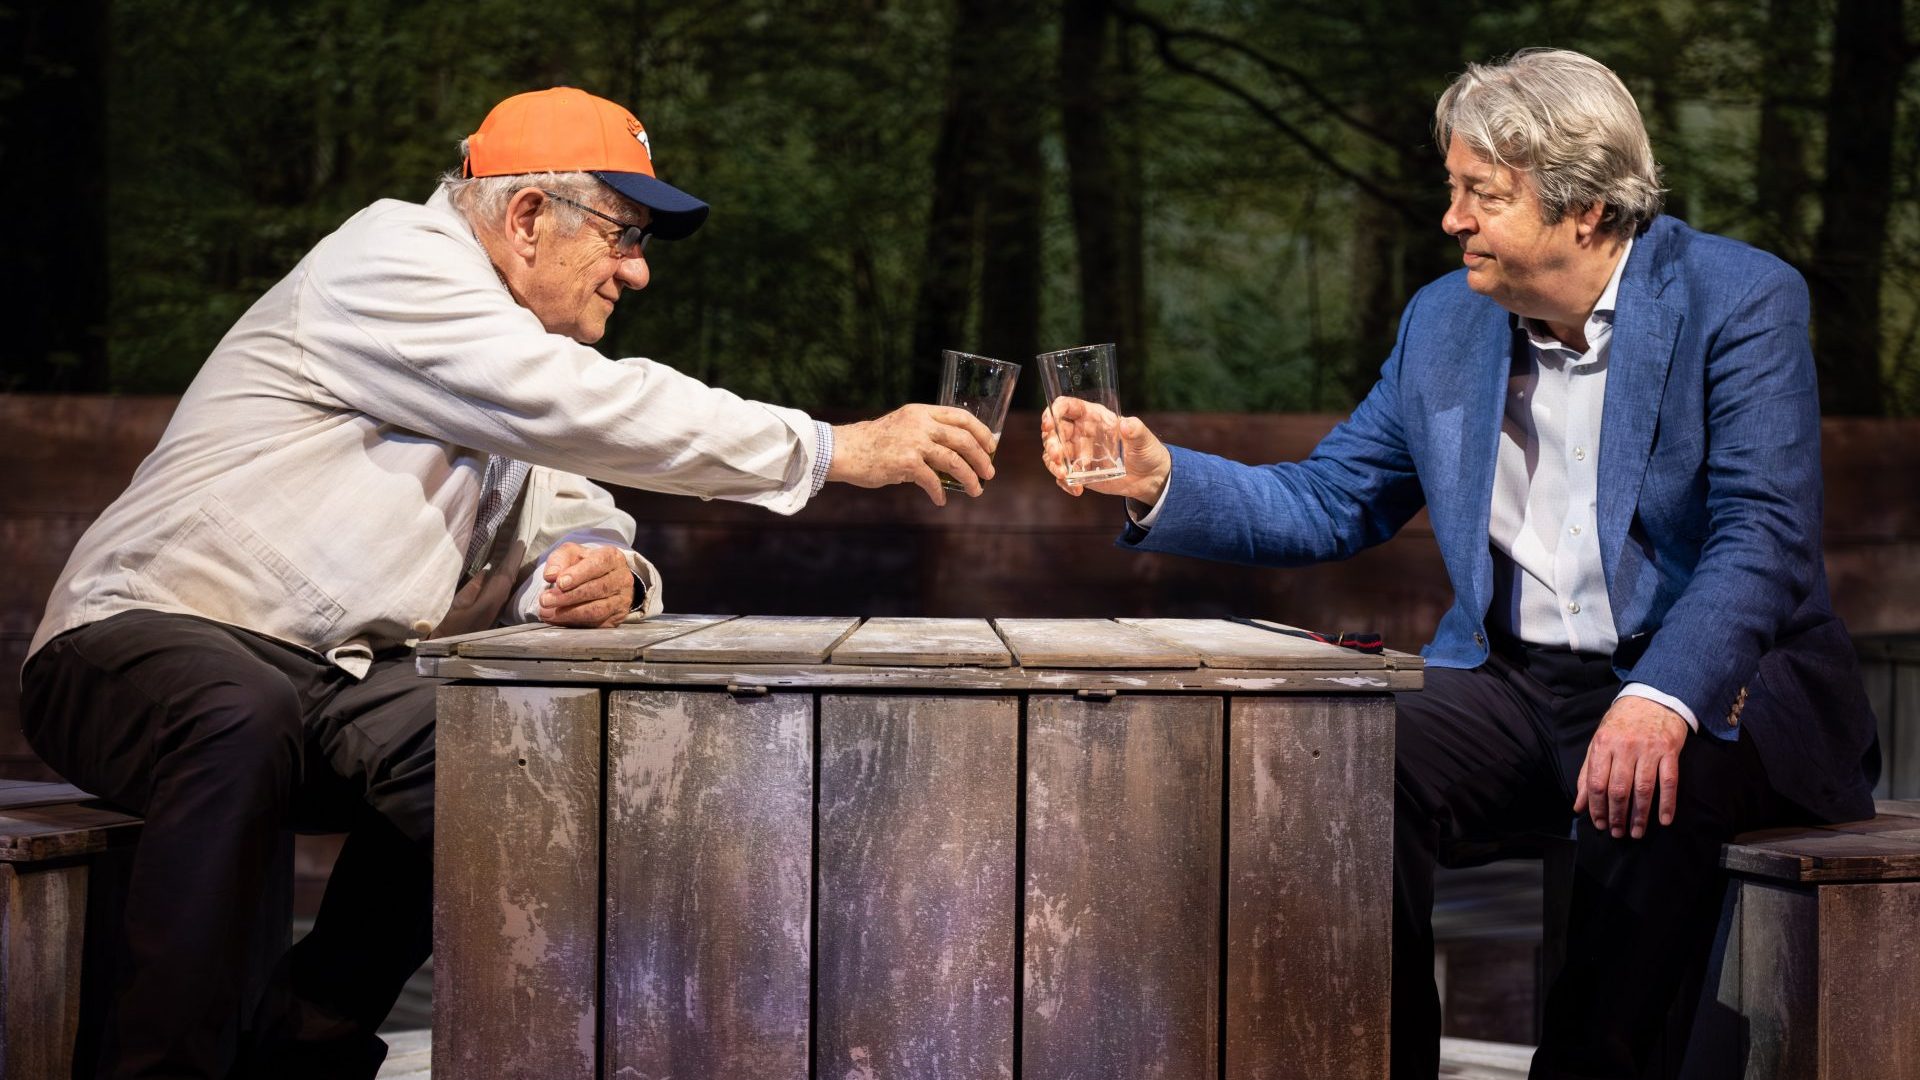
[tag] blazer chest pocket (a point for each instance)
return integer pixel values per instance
(219, 567)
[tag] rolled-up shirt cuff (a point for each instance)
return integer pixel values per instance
(822, 455)
(1642, 690)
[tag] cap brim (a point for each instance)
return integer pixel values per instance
(676, 214)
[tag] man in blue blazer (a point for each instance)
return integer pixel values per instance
(1611, 420)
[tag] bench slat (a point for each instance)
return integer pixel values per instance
(1885, 848)
(40, 833)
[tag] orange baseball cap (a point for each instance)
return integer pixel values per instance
(569, 130)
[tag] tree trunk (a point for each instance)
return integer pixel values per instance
(1103, 180)
(1869, 52)
(1783, 176)
(55, 119)
(987, 185)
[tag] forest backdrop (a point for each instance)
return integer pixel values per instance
(1241, 194)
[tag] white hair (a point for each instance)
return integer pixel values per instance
(1566, 120)
(483, 199)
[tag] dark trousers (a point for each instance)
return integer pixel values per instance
(1495, 751)
(221, 739)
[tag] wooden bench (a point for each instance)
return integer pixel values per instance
(1821, 952)
(52, 837)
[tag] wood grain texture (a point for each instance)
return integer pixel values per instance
(42, 917)
(1237, 645)
(1876, 678)
(918, 837)
(448, 646)
(924, 643)
(1779, 979)
(855, 676)
(1870, 981)
(709, 879)
(624, 642)
(15, 793)
(1908, 808)
(1121, 957)
(38, 833)
(1882, 849)
(517, 883)
(758, 639)
(1090, 643)
(1309, 889)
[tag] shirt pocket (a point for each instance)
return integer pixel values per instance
(217, 566)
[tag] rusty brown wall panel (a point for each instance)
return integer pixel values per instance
(1310, 857)
(516, 883)
(1779, 979)
(43, 913)
(918, 839)
(1121, 958)
(709, 878)
(1870, 981)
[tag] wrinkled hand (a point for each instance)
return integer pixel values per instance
(586, 586)
(1078, 422)
(1635, 750)
(907, 445)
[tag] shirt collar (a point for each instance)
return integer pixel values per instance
(1599, 322)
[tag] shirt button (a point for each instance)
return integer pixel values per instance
(1573, 608)
(1575, 530)
(1579, 453)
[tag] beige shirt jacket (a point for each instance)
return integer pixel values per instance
(319, 479)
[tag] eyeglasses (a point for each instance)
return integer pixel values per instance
(633, 241)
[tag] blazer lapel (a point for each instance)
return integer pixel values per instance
(1644, 333)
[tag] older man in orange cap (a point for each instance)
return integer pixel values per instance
(392, 444)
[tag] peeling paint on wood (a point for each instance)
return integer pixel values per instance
(709, 879)
(1121, 958)
(1309, 880)
(516, 883)
(917, 887)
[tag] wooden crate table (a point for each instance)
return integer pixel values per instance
(775, 847)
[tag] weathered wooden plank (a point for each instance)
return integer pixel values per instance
(449, 646)
(1236, 645)
(1089, 643)
(709, 878)
(31, 834)
(43, 913)
(1869, 981)
(517, 883)
(918, 834)
(1908, 808)
(758, 639)
(924, 643)
(1123, 887)
(1885, 850)
(856, 676)
(1309, 889)
(624, 642)
(1779, 979)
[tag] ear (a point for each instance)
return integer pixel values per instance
(1587, 221)
(522, 224)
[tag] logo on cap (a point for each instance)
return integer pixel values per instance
(640, 134)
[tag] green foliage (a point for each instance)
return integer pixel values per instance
(241, 132)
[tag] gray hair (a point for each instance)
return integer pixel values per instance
(1568, 121)
(483, 199)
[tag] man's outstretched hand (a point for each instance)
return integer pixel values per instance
(1634, 754)
(910, 445)
(1146, 459)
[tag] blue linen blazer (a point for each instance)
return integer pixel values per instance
(1709, 497)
